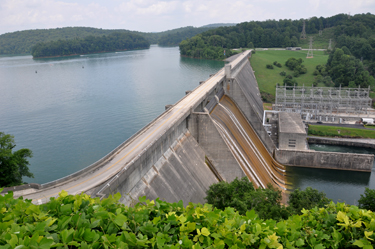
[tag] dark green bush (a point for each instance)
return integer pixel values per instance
(367, 201)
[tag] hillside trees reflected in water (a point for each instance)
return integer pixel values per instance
(90, 44)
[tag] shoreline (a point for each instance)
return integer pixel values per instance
(99, 52)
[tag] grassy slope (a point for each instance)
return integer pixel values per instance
(331, 131)
(267, 78)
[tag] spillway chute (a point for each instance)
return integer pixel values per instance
(248, 149)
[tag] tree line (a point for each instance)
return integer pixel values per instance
(355, 32)
(91, 44)
(21, 42)
(173, 38)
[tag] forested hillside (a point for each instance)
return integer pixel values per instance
(174, 37)
(354, 32)
(20, 42)
(90, 44)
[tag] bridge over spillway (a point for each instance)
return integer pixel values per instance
(212, 134)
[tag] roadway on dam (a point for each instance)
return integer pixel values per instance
(133, 148)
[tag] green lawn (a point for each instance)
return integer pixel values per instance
(332, 131)
(267, 78)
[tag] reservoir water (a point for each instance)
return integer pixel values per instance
(72, 111)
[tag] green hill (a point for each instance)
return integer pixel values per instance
(21, 42)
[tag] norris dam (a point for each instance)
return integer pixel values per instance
(214, 133)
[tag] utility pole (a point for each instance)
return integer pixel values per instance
(310, 53)
(330, 44)
(303, 34)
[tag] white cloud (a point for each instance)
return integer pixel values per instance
(148, 7)
(160, 15)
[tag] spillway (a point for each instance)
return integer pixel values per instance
(251, 154)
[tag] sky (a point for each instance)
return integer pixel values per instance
(161, 15)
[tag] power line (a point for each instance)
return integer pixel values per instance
(303, 34)
(310, 53)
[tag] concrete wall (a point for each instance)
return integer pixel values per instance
(316, 140)
(180, 174)
(292, 141)
(325, 160)
(127, 178)
(216, 149)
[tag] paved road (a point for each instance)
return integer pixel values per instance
(126, 154)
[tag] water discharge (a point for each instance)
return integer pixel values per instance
(259, 166)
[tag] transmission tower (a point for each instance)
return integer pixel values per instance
(330, 44)
(303, 34)
(310, 52)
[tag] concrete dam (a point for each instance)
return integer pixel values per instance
(214, 133)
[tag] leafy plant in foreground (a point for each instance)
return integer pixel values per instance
(83, 222)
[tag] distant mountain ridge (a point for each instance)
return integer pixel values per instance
(21, 42)
(217, 25)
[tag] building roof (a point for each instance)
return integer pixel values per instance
(291, 123)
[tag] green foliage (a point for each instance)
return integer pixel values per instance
(269, 66)
(307, 199)
(345, 69)
(267, 98)
(283, 73)
(367, 201)
(82, 222)
(272, 33)
(289, 81)
(174, 37)
(90, 44)
(13, 165)
(292, 63)
(241, 195)
(21, 42)
(277, 64)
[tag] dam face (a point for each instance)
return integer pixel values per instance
(221, 139)
(213, 134)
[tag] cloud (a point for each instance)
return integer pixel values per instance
(148, 7)
(160, 15)
(19, 14)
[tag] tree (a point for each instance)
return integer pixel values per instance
(13, 165)
(307, 199)
(241, 195)
(367, 201)
(289, 81)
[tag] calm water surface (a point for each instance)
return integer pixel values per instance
(72, 111)
(339, 185)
